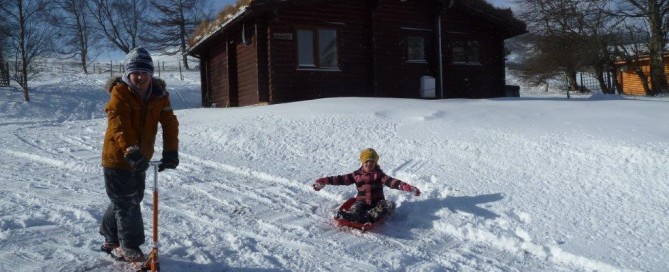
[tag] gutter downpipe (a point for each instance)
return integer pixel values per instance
(441, 52)
(441, 58)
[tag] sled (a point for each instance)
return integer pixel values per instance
(357, 225)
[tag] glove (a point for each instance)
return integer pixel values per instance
(318, 185)
(408, 188)
(170, 160)
(137, 160)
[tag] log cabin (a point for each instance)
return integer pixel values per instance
(276, 51)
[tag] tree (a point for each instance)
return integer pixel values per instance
(631, 49)
(558, 29)
(547, 56)
(4, 29)
(175, 22)
(29, 34)
(4, 74)
(119, 21)
(655, 14)
(75, 31)
(571, 36)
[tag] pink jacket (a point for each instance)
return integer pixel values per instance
(369, 185)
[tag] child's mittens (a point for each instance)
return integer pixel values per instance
(408, 188)
(319, 184)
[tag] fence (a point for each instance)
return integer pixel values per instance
(111, 68)
(588, 82)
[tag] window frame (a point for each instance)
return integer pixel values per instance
(408, 48)
(469, 44)
(316, 49)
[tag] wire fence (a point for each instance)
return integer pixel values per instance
(11, 69)
(589, 83)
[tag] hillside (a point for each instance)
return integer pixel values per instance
(535, 183)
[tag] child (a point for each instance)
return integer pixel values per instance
(370, 202)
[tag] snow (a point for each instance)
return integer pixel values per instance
(535, 183)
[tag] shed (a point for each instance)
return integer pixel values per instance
(274, 51)
(630, 81)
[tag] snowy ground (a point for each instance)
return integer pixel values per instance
(520, 184)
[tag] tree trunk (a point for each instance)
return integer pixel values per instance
(24, 58)
(570, 75)
(185, 60)
(600, 70)
(644, 79)
(657, 74)
(24, 82)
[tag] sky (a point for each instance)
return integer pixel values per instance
(534, 183)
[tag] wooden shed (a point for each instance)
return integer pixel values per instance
(275, 51)
(630, 81)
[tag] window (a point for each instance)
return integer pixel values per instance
(416, 49)
(465, 51)
(317, 48)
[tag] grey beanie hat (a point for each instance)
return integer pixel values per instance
(138, 60)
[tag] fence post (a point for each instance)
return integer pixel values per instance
(181, 75)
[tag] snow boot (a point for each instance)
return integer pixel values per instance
(108, 247)
(353, 217)
(376, 213)
(130, 254)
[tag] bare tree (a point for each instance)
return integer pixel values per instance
(4, 29)
(29, 34)
(600, 31)
(655, 15)
(558, 26)
(4, 73)
(120, 21)
(75, 31)
(632, 49)
(176, 20)
(572, 36)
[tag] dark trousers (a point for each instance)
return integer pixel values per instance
(122, 221)
(363, 212)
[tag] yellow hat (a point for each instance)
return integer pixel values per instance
(368, 154)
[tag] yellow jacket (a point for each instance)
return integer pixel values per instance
(133, 122)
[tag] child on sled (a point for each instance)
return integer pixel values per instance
(369, 180)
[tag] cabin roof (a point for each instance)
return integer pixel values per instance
(243, 8)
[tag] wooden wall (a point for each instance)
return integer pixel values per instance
(486, 79)
(218, 75)
(393, 22)
(246, 66)
(292, 83)
(631, 82)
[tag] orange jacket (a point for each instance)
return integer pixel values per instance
(133, 122)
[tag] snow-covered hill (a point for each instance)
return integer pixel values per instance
(517, 184)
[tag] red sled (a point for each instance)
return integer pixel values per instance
(357, 225)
